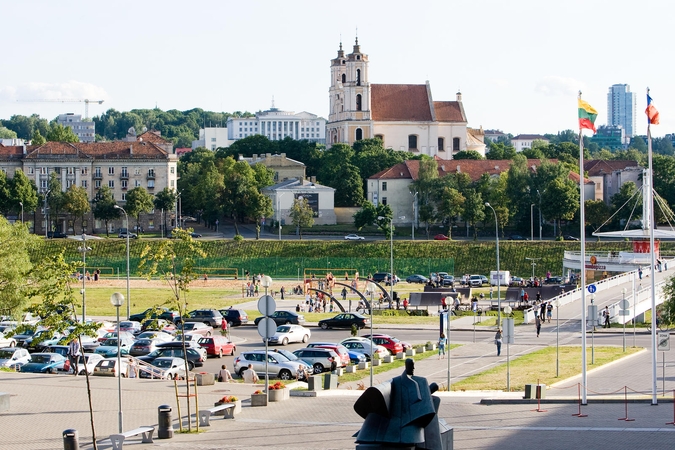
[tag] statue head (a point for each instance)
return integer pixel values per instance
(433, 387)
(410, 366)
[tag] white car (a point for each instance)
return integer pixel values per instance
(88, 361)
(108, 367)
(286, 334)
(354, 237)
(6, 341)
(165, 368)
(13, 357)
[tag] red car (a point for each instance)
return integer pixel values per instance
(341, 350)
(217, 346)
(390, 343)
(441, 237)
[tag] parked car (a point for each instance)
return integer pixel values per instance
(392, 344)
(234, 317)
(158, 325)
(14, 357)
(217, 345)
(159, 336)
(278, 365)
(108, 348)
(404, 344)
(88, 361)
(517, 281)
(156, 313)
(195, 358)
(143, 347)
(211, 317)
(475, 281)
(484, 280)
(193, 235)
(320, 359)
(20, 338)
(569, 237)
(364, 346)
(286, 334)
(165, 368)
(382, 277)
(284, 318)
(554, 280)
(108, 367)
(41, 340)
(340, 349)
(6, 341)
(356, 357)
(441, 237)
(113, 334)
(354, 237)
(131, 326)
(291, 357)
(56, 235)
(43, 363)
(517, 237)
(195, 328)
(417, 279)
(345, 320)
(192, 344)
(189, 337)
(124, 233)
(448, 280)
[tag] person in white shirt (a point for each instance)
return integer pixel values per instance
(250, 376)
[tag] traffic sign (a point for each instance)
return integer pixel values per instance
(592, 288)
(664, 342)
(624, 304)
(624, 312)
(267, 305)
(266, 328)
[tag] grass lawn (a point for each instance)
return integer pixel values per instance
(539, 366)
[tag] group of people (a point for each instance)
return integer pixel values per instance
(88, 276)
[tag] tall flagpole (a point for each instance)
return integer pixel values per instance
(652, 253)
(582, 219)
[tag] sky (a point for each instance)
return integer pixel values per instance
(518, 64)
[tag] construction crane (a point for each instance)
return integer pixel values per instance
(68, 100)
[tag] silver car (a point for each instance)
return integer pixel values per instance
(278, 365)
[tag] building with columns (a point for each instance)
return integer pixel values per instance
(404, 116)
(277, 125)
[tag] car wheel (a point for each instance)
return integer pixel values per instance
(234, 349)
(318, 368)
(305, 338)
(285, 375)
(51, 371)
(230, 324)
(191, 365)
(220, 353)
(241, 371)
(284, 341)
(324, 326)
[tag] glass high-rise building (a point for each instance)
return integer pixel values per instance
(621, 108)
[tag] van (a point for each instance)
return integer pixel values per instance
(217, 345)
(475, 281)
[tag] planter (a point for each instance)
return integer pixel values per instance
(419, 349)
(402, 355)
(339, 371)
(376, 362)
(278, 395)
(314, 383)
(229, 413)
(409, 352)
(258, 400)
(351, 369)
(430, 347)
(363, 365)
(205, 379)
(330, 381)
(389, 358)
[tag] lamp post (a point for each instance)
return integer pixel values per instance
(532, 222)
(279, 210)
(391, 254)
(371, 289)
(534, 264)
(593, 319)
(623, 299)
(266, 282)
(117, 300)
(126, 218)
(499, 274)
(557, 338)
(21, 203)
(84, 249)
(539, 194)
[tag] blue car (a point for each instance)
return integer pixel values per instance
(356, 357)
(44, 363)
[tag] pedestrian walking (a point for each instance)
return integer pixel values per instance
(537, 322)
(549, 312)
(283, 292)
(640, 272)
(132, 368)
(605, 315)
(498, 341)
(542, 312)
(442, 341)
(74, 355)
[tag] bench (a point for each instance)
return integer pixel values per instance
(205, 414)
(118, 439)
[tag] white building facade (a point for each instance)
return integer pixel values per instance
(277, 125)
(212, 138)
(85, 131)
(525, 141)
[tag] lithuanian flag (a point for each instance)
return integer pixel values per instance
(587, 115)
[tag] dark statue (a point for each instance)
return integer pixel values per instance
(400, 413)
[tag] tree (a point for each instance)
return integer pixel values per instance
(239, 190)
(23, 190)
(383, 217)
(59, 133)
(450, 206)
(55, 198)
(77, 203)
(596, 213)
(426, 187)
(499, 150)
(165, 201)
(365, 216)
(138, 201)
(301, 214)
(104, 207)
(467, 154)
(626, 204)
(15, 265)
(474, 210)
(5, 193)
(638, 144)
(6, 133)
(561, 200)
(260, 207)
(38, 139)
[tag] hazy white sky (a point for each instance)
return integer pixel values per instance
(518, 63)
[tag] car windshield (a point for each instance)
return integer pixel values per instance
(40, 359)
(6, 354)
(126, 324)
(163, 363)
(279, 357)
(110, 342)
(283, 329)
(187, 326)
(290, 356)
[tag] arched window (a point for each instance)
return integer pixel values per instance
(344, 78)
(412, 142)
(358, 102)
(455, 144)
(358, 77)
(441, 144)
(359, 134)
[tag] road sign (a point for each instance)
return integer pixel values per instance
(624, 304)
(624, 312)
(664, 342)
(266, 328)
(267, 305)
(592, 288)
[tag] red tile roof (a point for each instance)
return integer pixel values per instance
(11, 151)
(153, 136)
(474, 168)
(598, 167)
(115, 149)
(449, 112)
(575, 177)
(400, 103)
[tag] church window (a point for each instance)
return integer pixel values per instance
(359, 134)
(455, 144)
(412, 142)
(358, 77)
(358, 102)
(441, 144)
(344, 79)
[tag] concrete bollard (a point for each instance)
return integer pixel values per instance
(164, 422)
(70, 440)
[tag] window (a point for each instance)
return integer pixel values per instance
(455, 144)
(111, 184)
(124, 196)
(173, 183)
(43, 184)
(151, 184)
(380, 137)
(84, 183)
(84, 171)
(43, 171)
(31, 170)
(359, 134)
(151, 173)
(412, 142)
(70, 171)
(137, 183)
(124, 173)
(111, 170)
(384, 200)
(137, 171)
(172, 170)
(358, 77)
(69, 183)
(213, 139)
(124, 184)
(441, 144)
(384, 185)
(344, 78)
(358, 102)
(97, 184)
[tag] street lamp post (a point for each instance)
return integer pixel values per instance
(499, 274)
(532, 222)
(534, 264)
(623, 299)
(84, 249)
(117, 300)
(557, 338)
(279, 211)
(539, 194)
(126, 218)
(371, 289)
(414, 215)
(391, 255)
(266, 282)
(21, 203)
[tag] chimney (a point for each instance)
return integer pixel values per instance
(131, 149)
(254, 157)
(283, 156)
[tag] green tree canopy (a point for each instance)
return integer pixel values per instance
(104, 207)
(139, 201)
(15, 265)
(59, 133)
(301, 214)
(77, 203)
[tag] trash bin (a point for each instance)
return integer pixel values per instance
(70, 440)
(330, 381)
(314, 383)
(164, 422)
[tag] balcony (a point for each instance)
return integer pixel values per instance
(151, 176)
(124, 176)
(98, 176)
